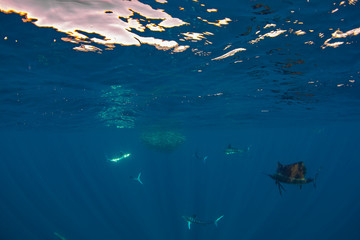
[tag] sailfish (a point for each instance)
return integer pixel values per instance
(291, 174)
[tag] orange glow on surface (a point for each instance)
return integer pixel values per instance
(100, 17)
(120, 22)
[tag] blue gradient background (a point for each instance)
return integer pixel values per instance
(56, 141)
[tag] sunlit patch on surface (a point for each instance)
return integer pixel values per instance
(154, 27)
(268, 34)
(211, 95)
(218, 23)
(229, 54)
(195, 36)
(87, 48)
(270, 44)
(300, 32)
(339, 34)
(180, 48)
(161, 1)
(114, 20)
(270, 25)
(352, 2)
(126, 23)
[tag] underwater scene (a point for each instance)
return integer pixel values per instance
(169, 119)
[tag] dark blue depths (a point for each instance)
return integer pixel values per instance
(63, 182)
(55, 173)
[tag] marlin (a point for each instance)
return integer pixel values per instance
(231, 150)
(137, 178)
(193, 219)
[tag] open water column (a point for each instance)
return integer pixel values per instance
(166, 119)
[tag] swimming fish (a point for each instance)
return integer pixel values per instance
(201, 158)
(193, 220)
(291, 174)
(231, 150)
(137, 178)
(122, 156)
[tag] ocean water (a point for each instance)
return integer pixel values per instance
(173, 84)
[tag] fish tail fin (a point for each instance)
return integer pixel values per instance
(218, 219)
(315, 178)
(281, 188)
(138, 178)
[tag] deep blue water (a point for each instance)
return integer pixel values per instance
(65, 113)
